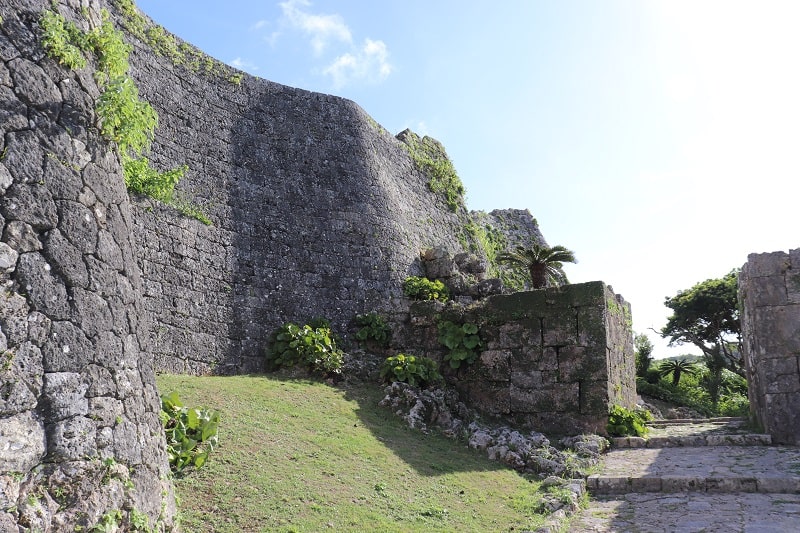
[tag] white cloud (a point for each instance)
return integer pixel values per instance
(243, 64)
(370, 63)
(322, 29)
(259, 25)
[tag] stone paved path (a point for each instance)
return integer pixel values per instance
(686, 488)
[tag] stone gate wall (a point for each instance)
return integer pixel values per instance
(80, 435)
(769, 294)
(552, 360)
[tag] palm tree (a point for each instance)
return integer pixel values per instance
(676, 367)
(544, 263)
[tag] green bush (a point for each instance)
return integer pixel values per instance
(314, 347)
(418, 288)
(373, 327)
(463, 341)
(192, 433)
(624, 422)
(416, 371)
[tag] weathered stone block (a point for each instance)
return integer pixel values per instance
(33, 86)
(66, 259)
(22, 442)
(560, 328)
(72, 439)
(563, 398)
(496, 365)
(65, 395)
(30, 203)
(47, 293)
(68, 349)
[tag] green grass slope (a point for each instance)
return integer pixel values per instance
(299, 455)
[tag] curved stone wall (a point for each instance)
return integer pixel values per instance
(317, 212)
(80, 436)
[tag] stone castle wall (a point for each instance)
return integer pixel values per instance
(317, 212)
(769, 293)
(80, 434)
(552, 360)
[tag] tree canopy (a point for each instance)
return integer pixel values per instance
(707, 316)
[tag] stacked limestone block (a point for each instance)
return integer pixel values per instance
(769, 291)
(552, 360)
(80, 437)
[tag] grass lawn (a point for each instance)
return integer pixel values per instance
(298, 455)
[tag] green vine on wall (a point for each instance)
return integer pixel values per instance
(125, 118)
(429, 155)
(166, 45)
(484, 239)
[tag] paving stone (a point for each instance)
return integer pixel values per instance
(729, 481)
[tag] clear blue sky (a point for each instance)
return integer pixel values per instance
(659, 140)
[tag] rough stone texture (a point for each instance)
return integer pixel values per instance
(70, 359)
(769, 292)
(552, 360)
(317, 212)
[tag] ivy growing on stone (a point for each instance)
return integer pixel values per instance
(429, 155)
(313, 347)
(373, 327)
(623, 422)
(125, 118)
(166, 45)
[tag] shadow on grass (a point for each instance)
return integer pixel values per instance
(429, 454)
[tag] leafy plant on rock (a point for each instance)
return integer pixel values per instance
(124, 117)
(373, 326)
(543, 263)
(416, 371)
(623, 422)
(313, 347)
(192, 433)
(420, 288)
(463, 341)
(62, 40)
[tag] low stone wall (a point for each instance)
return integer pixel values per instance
(769, 293)
(552, 360)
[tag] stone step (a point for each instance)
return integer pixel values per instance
(762, 469)
(720, 420)
(683, 441)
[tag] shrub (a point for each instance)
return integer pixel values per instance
(373, 327)
(463, 341)
(192, 433)
(416, 371)
(418, 288)
(313, 347)
(624, 422)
